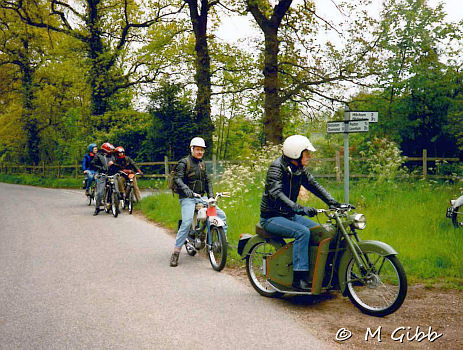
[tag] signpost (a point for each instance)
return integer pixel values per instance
(354, 121)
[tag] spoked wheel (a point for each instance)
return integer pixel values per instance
(217, 249)
(89, 199)
(382, 289)
(457, 217)
(107, 201)
(115, 204)
(130, 201)
(256, 269)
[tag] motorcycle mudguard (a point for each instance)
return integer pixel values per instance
(251, 242)
(216, 221)
(368, 246)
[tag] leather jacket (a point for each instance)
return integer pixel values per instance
(282, 186)
(101, 163)
(197, 179)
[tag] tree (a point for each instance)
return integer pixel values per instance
(104, 29)
(298, 68)
(172, 124)
(419, 86)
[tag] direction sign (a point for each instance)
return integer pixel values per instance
(371, 116)
(347, 126)
(358, 126)
(335, 127)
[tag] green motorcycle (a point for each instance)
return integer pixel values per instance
(368, 272)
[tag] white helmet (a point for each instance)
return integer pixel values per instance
(294, 145)
(197, 141)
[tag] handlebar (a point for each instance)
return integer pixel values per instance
(217, 196)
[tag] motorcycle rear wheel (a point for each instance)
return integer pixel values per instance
(255, 269)
(382, 290)
(217, 250)
(457, 217)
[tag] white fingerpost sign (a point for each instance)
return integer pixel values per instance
(354, 121)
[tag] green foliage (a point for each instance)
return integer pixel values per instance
(172, 125)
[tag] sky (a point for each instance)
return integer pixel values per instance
(235, 28)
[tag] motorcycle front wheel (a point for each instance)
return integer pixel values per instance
(256, 269)
(457, 217)
(115, 204)
(217, 249)
(107, 201)
(130, 201)
(381, 290)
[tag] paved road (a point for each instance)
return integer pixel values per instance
(69, 280)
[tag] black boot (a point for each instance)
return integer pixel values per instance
(300, 281)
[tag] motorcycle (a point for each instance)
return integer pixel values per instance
(111, 195)
(455, 212)
(207, 231)
(368, 272)
(128, 191)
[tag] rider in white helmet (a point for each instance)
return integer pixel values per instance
(191, 177)
(281, 214)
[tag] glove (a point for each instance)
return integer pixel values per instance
(310, 212)
(334, 204)
(189, 193)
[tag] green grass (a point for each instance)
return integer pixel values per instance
(409, 216)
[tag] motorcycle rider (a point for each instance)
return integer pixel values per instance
(280, 213)
(127, 165)
(191, 177)
(103, 162)
(88, 168)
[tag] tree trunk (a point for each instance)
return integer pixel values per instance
(273, 125)
(198, 19)
(29, 120)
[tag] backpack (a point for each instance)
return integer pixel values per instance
(170, 178)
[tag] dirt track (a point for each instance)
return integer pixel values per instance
(327, 316)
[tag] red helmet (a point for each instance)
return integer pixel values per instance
(120, 152)
(107, 147)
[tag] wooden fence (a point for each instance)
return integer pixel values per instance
(75, 170)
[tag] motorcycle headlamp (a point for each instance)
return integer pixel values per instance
(360, 221)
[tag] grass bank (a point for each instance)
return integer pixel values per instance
(66, 182)
(409, 216)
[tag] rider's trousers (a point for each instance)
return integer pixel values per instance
(297, 227)
(90, 178)
(187, 207)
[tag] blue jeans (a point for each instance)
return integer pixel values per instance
(297, 227)
(187, 206)
(90, 177)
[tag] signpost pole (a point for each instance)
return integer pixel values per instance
(346, 156)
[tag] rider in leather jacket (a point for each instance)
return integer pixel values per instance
(281, 214)
(191, 177)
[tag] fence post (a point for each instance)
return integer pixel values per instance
(77, 167)
(425, 163)
(166, 167)
(338, 166)
(43, 168)
(59, 169)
